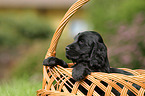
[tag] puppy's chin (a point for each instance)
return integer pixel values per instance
(72, 55)
(73, 58)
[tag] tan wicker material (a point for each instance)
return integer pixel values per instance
(57, 81)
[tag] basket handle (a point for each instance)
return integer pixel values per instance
(72, 10)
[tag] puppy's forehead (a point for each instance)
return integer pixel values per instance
(79, 36)
(83, 36)
(89, 35)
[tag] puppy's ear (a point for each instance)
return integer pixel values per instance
(98, 50)
(98, 57)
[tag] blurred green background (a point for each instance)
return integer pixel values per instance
(26, 29)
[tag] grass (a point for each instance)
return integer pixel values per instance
(20, 87)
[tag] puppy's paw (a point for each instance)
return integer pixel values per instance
(51, 61)
(80, 73)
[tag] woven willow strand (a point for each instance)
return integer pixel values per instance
(62, 24)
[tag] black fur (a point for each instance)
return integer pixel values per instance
(89, 54)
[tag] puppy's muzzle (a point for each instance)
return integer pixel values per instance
(67, 48)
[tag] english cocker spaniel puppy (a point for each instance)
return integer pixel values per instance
(89, 54)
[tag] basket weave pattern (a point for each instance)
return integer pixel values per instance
(56, 80)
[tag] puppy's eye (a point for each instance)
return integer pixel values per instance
(81, 42)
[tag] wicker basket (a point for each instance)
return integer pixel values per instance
(56, 81)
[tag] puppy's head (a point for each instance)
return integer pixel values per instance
(83, 46)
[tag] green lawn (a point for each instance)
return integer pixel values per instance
(20, 87)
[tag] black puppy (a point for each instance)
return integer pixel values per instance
(89, 54)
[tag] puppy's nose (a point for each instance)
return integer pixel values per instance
(67, 48)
